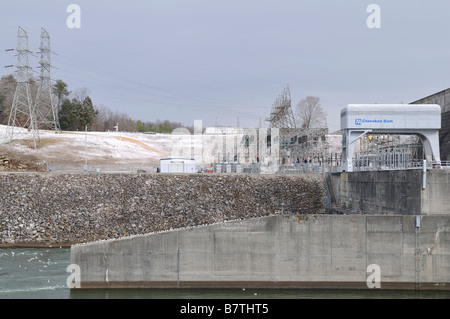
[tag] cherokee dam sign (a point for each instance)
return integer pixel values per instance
(364, 121)
(421, 119)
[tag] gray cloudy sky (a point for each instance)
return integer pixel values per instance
(206, 59)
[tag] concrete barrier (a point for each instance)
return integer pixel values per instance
(398, 192)
(304, 251)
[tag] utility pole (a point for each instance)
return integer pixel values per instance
(22, 118)
(46, 109)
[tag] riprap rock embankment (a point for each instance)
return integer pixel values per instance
(59, 209)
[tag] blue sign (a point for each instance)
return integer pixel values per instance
(361, 121)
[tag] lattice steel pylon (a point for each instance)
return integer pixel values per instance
(281, 115)
(22, 118)
(46, 112)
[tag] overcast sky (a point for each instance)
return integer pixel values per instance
(205, 59)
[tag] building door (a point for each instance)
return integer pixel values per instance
(176, 167)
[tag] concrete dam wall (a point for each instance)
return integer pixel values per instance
(62, 209)
(236, 230)
(397, 192)
(308, 251)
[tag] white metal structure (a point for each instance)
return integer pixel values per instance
(177, 165)
(423, 120)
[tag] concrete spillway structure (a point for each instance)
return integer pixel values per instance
(305, 251)
(403, 231)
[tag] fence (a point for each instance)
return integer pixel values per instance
(101, 168)
(295, 168)
(359, 165)
(306, 169)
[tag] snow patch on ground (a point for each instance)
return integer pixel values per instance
(95, 147)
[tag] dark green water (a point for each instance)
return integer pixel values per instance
(40, 273)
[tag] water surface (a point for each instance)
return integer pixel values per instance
(40, 273)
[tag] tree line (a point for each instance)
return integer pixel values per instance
(76, 110)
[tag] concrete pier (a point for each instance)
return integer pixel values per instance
(393, 192)
(304, 251)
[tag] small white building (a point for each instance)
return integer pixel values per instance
(177, 165)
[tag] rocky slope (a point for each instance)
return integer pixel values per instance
(51, 208)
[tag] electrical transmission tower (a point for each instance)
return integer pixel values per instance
(281, 115)
(46, 112)
(22, 118)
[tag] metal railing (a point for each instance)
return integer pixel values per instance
(101, 168)
(316, 169)
(307, 169)
(400, 165)
(295, 168)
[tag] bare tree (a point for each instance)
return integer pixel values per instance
(81, 94)
(310, 114)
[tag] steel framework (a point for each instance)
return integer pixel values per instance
(281, 115)
(46, 112)
(22, 118)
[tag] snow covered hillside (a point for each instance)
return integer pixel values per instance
(95, 147)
